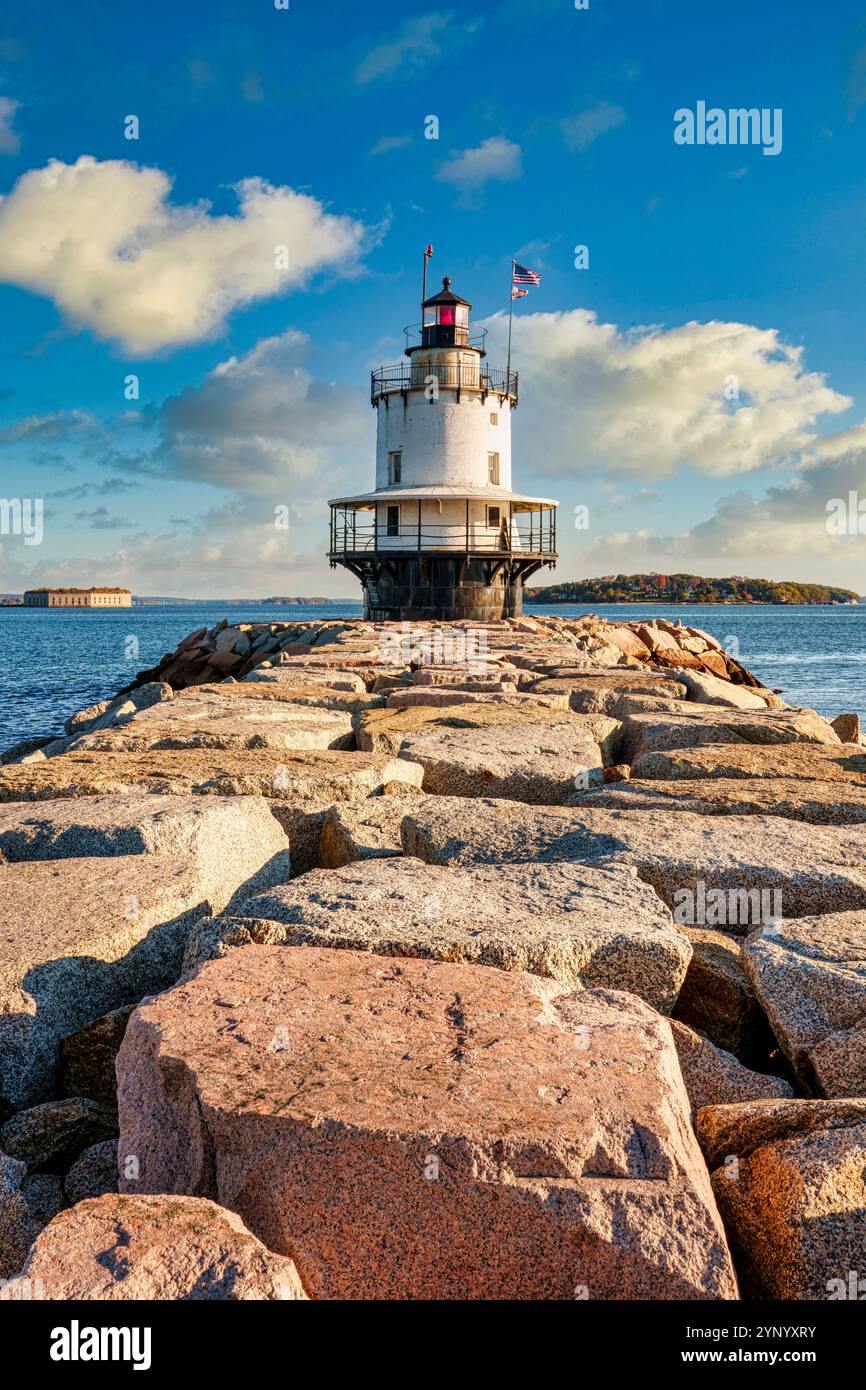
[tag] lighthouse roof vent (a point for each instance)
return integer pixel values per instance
(445, 296)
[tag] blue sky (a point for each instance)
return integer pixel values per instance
(257, 126)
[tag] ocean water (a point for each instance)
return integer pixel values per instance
(54, 663)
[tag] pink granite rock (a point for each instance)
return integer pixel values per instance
(408, 1129)
(156, 1249)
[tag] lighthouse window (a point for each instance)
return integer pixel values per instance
(393, 521)
(395, 467)
(446, 313)
(493, 468)
(494, 418)
(493, 516)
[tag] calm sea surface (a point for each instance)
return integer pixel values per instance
(53, 663)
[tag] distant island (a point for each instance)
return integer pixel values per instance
(156, 600)
(687, 588)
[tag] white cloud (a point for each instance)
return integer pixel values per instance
(263, 423)
(495, 158)
(103, 242)
(391, 142)
(10, 140)
(580, 131)
(649, 401)
(59, 424)
(417, 43)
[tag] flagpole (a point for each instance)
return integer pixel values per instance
(510, 320)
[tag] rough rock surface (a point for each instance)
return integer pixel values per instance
(715, 1077)
(809, 761)
(595, 926)
(88, 1055)
(809, 973)
(93, 1173)
(717, 998)
(368, 829)
(813, 868)
(324, 776)
(533, 764)
(818, 803)
(793, 1196)
(53, 1134)
(213, 723)
(26, 1205)
(155, 1249)
(654, 733)
(98, 897)
(508, 1140)
(710, 690)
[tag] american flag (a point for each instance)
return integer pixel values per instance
(523, 276)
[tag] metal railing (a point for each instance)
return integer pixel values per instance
(412, 336)
(528, 533)
(454, 376)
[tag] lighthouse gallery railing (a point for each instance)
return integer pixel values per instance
(527, 533)
(454, 376)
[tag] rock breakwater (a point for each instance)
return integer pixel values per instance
(354, 960)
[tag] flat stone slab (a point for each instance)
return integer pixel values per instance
(809, 974)
(612, 693)
(220, 722)
(323, 775)
(311, 695)
(812, 868)
(533, 764)
(801, 761)
(598, 927)
(329, 679)
(791, 1188)
(156, 1249)
(524, 754)
(408, 1129)
(98, 897)
(818, 803)
(387, 730)
(439, 697)
(657, 732)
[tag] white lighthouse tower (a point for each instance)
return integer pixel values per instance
(443, 535)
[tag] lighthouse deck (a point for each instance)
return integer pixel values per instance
(470, 521)
(447, 376)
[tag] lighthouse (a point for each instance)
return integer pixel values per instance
(442, 535)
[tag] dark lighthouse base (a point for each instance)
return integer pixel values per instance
(442, 587)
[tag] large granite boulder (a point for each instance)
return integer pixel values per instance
(153, 1249)
(818, 803)
(790, 1186)
(26, 1205)
(812, 762)
(691, 727)
(98, 896)
(809, 973)
(767, 866)
(322, 776)
(601, 927)
(715, 1077)
(410, 1129)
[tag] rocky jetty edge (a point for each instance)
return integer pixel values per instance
(352, 960)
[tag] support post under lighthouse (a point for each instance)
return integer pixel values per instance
(443, 535)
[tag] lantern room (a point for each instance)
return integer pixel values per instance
(445, 319)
